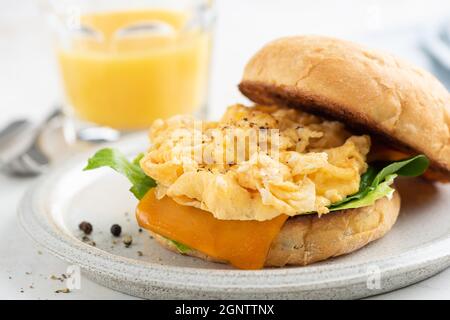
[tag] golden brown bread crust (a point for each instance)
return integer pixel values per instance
(307, 239)
(370, 91)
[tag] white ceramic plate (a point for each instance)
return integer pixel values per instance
(416, 248)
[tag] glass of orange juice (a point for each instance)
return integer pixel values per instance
(125, 63)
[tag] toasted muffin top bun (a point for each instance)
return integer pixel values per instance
(307, 239)
(370, 91)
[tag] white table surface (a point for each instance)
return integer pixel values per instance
(29, 86)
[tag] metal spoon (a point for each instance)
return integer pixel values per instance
(33, 160)
(8, 135)
(11, 130)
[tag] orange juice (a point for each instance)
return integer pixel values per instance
(126, 82)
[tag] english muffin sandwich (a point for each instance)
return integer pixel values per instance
(303, 175)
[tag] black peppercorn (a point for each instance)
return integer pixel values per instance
(86, 227)
(116, 230)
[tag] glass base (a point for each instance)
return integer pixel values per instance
(79, 130)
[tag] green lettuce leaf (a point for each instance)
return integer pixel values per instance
(116, 160)
(141, 183)
(182, 248)
(376, 180)
(381, 191)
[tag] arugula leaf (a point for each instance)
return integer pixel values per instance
(375, 182)
(116, 160)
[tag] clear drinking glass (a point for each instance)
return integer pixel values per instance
(126, 63)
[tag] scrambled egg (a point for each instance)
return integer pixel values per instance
(290, 162)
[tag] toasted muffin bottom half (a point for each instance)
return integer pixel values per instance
(305, 239)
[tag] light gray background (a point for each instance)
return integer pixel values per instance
(29, 87)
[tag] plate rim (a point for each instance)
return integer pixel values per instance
(199, 279)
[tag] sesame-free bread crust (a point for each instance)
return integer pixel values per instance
(370, 91)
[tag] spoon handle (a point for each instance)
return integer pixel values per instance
(11, 130)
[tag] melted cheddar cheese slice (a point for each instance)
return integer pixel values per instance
(244, 244)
